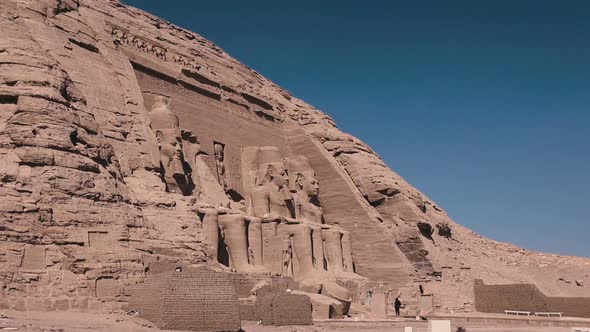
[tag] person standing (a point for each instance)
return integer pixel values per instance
(397, 304)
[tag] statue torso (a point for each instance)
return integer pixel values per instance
(309, 212)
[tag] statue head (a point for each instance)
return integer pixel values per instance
(161, 117)
(160, 102)
(218, 149)
(275, 173)
(302, 176)
(307, 183)
(170, 144)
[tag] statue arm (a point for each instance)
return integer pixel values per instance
(298, 207)
(261, 208)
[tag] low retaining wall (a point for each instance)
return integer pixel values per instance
(526, 297)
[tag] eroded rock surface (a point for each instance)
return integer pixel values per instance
(98, 191)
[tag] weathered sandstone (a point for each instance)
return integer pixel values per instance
(129, 146)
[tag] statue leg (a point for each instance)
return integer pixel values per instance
(235, 239)
(333, 249)
(318, 248)
(347, 252)
(255, 240)
(301, 236)
(210, 230)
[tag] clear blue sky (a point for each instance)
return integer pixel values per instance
(483, 105)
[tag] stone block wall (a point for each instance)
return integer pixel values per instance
(248, 310)
(243, 283)
(284, 309)
(195, 299)
(526, 297)
(147, 300)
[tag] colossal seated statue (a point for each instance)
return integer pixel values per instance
(331, 244)
(270, 203)
(205, 184)
(305, 188)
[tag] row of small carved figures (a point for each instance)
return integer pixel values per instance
(121, 37)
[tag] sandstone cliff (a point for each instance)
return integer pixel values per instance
(85, 212)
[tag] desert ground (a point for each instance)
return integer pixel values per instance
(73, 322)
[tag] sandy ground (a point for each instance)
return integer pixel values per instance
(71, 321)
(392, 327)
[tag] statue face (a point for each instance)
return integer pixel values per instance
(311, 186)
(170, 146)
(278, 175)
(159, 102)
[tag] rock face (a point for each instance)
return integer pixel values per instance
(126, 141)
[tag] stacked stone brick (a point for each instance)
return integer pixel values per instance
(526, 297)
(284, 309)
(197, 299)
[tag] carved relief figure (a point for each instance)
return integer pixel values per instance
(185, 62)
(190, 150)
(250, 255)
(124, 38)
(219, 150)
(121, 37)
(166, 126)
(287, 257)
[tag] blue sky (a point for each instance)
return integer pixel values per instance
(482, 105)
